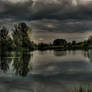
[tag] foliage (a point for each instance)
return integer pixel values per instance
(59, 42)
(20, 36)
(20, 39)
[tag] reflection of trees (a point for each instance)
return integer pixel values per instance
(21, 64)
(4, 61)
(60, 53)
(88, 54)
(4, 64)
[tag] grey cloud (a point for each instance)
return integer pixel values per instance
(64, 26)
(56, 17)
(61, 9)
(49, 9)
(48, 30)
(15, 10)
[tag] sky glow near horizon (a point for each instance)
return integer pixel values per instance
(54, 17)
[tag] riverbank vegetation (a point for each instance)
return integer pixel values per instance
(83, 89)
(62, 44)
(18, 39)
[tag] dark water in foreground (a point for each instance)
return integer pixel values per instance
(47, 71)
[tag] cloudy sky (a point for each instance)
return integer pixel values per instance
(50, 19)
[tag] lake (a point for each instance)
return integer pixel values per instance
(45, 71)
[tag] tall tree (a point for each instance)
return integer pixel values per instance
(20, 35)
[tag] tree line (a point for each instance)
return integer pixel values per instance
(19, 40)
(63, 44)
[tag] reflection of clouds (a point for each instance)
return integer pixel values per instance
(51, 73)
(60, 53)
(50, 68)
(88, 54)
(48, 63)
(62, 68)
(51, 56)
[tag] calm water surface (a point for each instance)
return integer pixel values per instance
(47, 71)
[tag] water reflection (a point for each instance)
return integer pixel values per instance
(19, 61)
(48, 71)
(87, 54)
(4, 64)
(60, 53)
(21, 64)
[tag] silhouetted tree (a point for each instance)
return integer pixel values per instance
(60, 42)
(21, 38)
(73, 42)
(5, 40)
(90, 40)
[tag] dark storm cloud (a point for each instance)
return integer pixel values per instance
(30, 10)
(18, 11)
(49, 15)
(56, 17)
(50, 9)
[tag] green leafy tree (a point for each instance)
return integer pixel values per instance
(20, 36)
